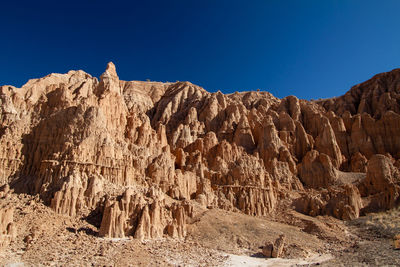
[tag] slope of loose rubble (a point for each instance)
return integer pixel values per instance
(171, 161)
(374, 238)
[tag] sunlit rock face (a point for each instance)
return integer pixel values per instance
(141, 154)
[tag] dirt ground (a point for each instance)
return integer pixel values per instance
(215, 238)
(372, 241)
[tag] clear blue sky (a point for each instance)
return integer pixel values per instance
(311, 49)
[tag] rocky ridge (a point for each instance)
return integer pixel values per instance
(135, 158)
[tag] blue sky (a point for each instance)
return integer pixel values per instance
(311, 49)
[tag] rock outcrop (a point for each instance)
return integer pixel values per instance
(144, 215)
(317, 170)
(278, 247)
(396, 242)
(381, 187)
(274, 250)
(141, 154)
(343, 202)
(8, 230)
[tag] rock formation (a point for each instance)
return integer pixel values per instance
(144, 215)
(396, 242)
(381, 187)
(274, 250)
(8, 230)
(278, 246)
(141, 154)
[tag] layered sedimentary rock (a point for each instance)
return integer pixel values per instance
(141, 154)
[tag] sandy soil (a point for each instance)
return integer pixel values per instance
(240, 260)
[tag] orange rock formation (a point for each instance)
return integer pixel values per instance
(139, 154)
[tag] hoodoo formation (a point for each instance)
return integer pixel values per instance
(142, 159)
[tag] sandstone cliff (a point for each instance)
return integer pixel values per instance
(139, 155)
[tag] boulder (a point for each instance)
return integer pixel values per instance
(278, 247)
